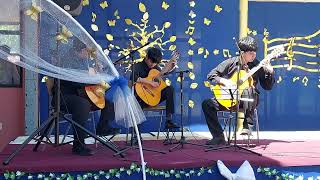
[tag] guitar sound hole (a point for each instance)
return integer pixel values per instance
(156, 80)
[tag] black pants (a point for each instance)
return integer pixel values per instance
(80, 108)
(167, 94)
(211, 106)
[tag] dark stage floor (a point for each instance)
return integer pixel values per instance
(60, 159)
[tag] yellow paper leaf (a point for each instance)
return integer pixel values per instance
(167, 24)
(206, 83)
(179, 79)
(116, 13)
(192, 76)
(145, 16)
(94, 27)
(190, 65)
(104, 4)
(168, 82)
(193, 85)
(200, 50)
(172, 38)
(279, 79)
(128, 21)
(165, 5)
(85, 2)
(191, 104)
(142, 7)
(109, 37)
(172, 47)
(192, 14)
(190, 52)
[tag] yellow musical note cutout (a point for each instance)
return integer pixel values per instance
(104, 4)
(206, 54)
(34, 11)
(64, 35)
(226, 53)
(190, 30)
(94, 17)
(165, 5)
(295, 79)
(305, 81)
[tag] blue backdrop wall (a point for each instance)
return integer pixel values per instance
(203, 32)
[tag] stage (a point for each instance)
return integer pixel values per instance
(282, 150)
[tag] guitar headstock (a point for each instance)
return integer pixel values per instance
(276, 52)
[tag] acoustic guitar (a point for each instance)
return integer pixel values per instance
(226, 95)
(149, 94)
(96, 94)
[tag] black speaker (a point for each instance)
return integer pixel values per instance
(73, 7)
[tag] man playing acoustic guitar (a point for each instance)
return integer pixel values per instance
(151, 86)
(75, 100)
(222, 76)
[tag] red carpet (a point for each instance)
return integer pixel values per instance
(60, 159)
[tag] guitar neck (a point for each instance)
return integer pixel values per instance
(251, 72)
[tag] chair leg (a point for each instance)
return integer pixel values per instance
(159, 129)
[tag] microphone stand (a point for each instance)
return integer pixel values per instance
(235, 145)
(182, 140)
(132, 146)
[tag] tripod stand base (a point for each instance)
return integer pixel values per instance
(182, 142)
(236, 147)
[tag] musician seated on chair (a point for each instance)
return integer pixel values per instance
(147, 90)
(222, 76)
(75, 101)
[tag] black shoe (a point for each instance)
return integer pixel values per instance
(216, 141)
(171, 125)
(108, 132)
(82, 151)
(134, 141)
